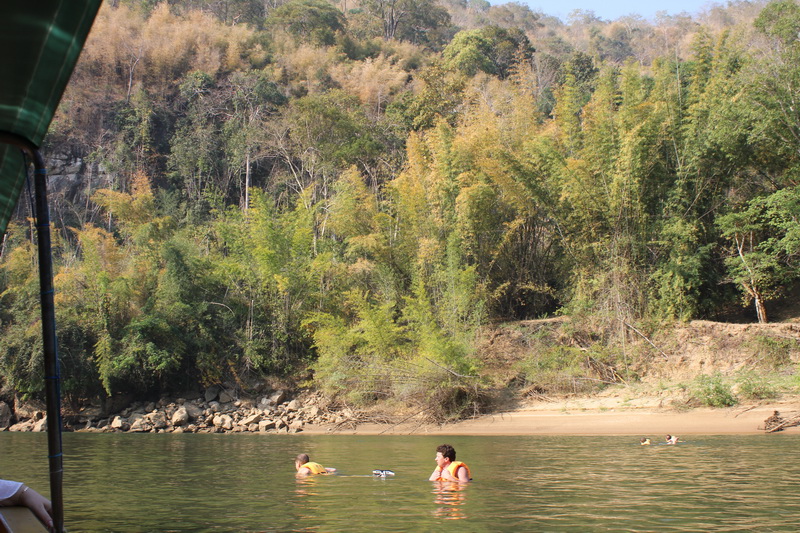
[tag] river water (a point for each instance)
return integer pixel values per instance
(226, 483)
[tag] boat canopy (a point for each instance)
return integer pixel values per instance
(40, 42)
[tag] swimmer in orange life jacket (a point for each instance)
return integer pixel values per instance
(305, 467)
(447, 468)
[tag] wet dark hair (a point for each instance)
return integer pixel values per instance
(447, 451)
(302, 458)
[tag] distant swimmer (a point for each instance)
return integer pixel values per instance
(672, 439)
(305, 467)
(645, 441)
(447, 468)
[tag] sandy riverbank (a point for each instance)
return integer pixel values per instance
(576, 418)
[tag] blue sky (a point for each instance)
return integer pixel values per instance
(613, 9)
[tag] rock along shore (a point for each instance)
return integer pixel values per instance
(218, 410)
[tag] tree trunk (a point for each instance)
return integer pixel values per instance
(247, 184)
(758, 300)
(761, 310)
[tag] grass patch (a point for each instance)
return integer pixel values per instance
(754, 386)
(560, 369)
(773, 352)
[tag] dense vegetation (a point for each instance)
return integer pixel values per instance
(356, 188)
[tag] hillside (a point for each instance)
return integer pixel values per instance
(665, 368)
(369, 209)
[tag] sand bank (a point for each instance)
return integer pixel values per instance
(580, 419)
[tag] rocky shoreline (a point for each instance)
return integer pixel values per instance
(218, 410)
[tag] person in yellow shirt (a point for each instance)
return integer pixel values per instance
(645, 441)
(305, 467)
(447, 468)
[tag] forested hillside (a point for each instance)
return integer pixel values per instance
(345, 193)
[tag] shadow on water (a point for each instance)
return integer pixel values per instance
(220, 483)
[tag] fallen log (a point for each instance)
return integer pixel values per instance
(777, 423)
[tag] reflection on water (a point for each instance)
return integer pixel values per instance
(449, 499)
(234, 483)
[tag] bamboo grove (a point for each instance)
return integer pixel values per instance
(346, 195)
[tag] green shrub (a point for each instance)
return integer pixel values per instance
(713, 391)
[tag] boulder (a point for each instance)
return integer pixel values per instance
(180, 417)
(212, 393)
(265, 425)
(140, 425)
(223, 422)
(26, 425)
(158, 419)
(5, 415)
(40, 426)
(193, 411)
(226, 396)
(29, 409)
(252, 419)
(294, 405)
(277, 397)
(120, 423)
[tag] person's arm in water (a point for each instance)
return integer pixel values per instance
(38, 504)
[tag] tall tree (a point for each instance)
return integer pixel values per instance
(316, 21)
(406, 18)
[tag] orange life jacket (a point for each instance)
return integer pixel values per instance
(453, 468)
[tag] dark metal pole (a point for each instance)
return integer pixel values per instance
(51, 368)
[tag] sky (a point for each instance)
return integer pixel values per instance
(613, 9)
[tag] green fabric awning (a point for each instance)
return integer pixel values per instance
(40, 42)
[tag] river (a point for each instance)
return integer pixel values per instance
(237, 482)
